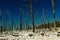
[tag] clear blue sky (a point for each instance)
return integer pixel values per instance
(13, 7)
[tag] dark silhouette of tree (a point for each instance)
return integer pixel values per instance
(12, 23)
(32, 14)
(6, 21)
(1, 21)
(20, 18)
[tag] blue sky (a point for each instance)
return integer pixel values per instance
(13, 7)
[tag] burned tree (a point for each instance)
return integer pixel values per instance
(27, 20)
(6, 21)
(47, 19)
(15, 25)
(0, 22)
(54, 16)
(33, 28)
(12, 24)
(32, 16)
(43, 18)
(20, 18)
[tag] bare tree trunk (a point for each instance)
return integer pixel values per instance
(32, 16)
(53, 10)
(33, 22)
(47, 20)
(20, 18)
(6, 21)
(0, 22)
(27, 20)
(12, 24)
(43, 18)
(17, 27)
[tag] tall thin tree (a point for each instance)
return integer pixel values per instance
(12, 24)
(6, 21)
(43, 18)
(1, 21)
(26, 20)
(47, 20)
(32, 16)
(20, 18)
(54, 16)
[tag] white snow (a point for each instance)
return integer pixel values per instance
(24, 35)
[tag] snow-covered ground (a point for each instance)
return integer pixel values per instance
(24, 35)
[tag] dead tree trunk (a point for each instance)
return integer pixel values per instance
(47, 20)
(12, 24)
(27, 20)
(32, 16)
(0, 22)
(43, 18)
(6, 21)
(20, 18)
(54, 16)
